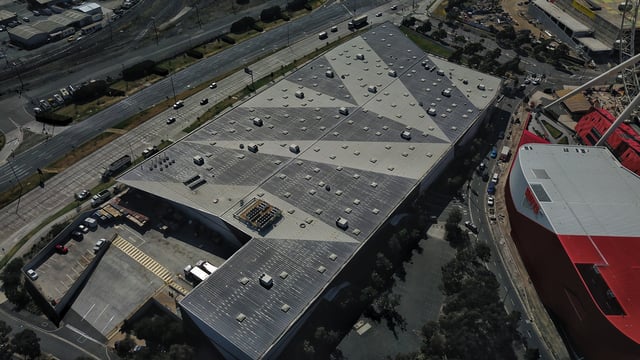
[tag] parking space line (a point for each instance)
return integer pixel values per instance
(107, 324)
(88, 311)
(102, 312)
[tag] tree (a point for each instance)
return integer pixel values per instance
(124, 346)
(308, 348)
(532, 354)
(455, 217)
(11, 276)
(26, 343)
(180, 352)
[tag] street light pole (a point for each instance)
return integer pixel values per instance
(198, 14)
(15, 67)
(155, 28)
(18, 180)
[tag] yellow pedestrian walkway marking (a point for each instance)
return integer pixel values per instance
(148, 262)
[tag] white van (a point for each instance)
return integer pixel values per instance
(494, 178)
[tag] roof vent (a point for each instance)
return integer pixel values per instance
(244, 280)
(333, 257)
(481, 87)
(198, 160)
(294, 148)
(329, 74)
(299, 94)
(266, 281)
(343, 111)
(406, 135)
(393, 73)
(342, 223)
(285, 308)
(283, 275)
(372, 89)
(360, 56)
(241, 317)
(321, 269)
(446, 92)
(431, 111)
(257, 121)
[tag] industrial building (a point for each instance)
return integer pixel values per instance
(54, 28)
(573, 213)
(7, 17)
(28, 37)
(90, 8)
(593, 25)
(308, 171)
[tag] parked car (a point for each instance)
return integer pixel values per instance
(394, 7)
(77, 235)
(25, 19)
(471, 226)
(171, 120)
(501, 135)
(32, 274)
(334, 29)
(213, 86)
(83, 228)
(61, 249)
(490, 201)
(99, 245)
(379, 14)
(204, 101)
(83, 195)
(494, 153)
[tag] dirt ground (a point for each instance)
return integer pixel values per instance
(512, 7)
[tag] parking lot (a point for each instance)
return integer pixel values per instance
(138, 264)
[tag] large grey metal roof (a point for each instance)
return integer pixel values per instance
(562, 16)
(355, 166)
(589, 192)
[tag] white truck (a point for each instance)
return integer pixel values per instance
(195, 274)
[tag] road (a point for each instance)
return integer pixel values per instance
(63, 343)
(502, 263)
(45, 153)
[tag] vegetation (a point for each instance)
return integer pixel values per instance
(24, 343)
(427, 44)
(164, 336)
(3, 140)
(555, 133)
(473, 323)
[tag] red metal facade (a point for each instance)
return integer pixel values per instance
(563, 290)
(624, 143)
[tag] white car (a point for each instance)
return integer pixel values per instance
(98, 245)
(213, 86)
(83, 228)
(379, 14)
(32, 274)
(178, 104)
(490, 201)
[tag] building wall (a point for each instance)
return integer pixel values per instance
(562, 290)
(30, 43)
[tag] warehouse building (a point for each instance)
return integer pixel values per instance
(28, 37)
(309, 171)
(7, 17)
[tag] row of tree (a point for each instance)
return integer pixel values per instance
(473, 324)
(25, 343)
(164, 337)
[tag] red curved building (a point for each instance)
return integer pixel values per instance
(574, 214)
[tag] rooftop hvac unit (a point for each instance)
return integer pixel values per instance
(359, 56)
(406, 135)
(299, 94)
(343, 111)
(393, 73)
(342, 223)
(266, 281)
(253, 148)
(481, 87)
(198, 160)
(431, 111)
(446, 92)
(294, 148)
(372, 89)
(257, 121)
(329, 73)
(440, 72)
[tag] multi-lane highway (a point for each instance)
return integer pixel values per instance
(40, 156)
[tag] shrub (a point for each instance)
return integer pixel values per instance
(138, 70)
(228, 39)
(195, 54)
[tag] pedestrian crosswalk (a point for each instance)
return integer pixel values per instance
(148, 262)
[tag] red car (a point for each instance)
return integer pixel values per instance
(62, 249)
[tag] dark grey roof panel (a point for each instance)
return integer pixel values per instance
(218, 305)
(314, 76)
(307, 189)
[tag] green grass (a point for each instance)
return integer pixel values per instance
(555, 133)
(426, 44)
